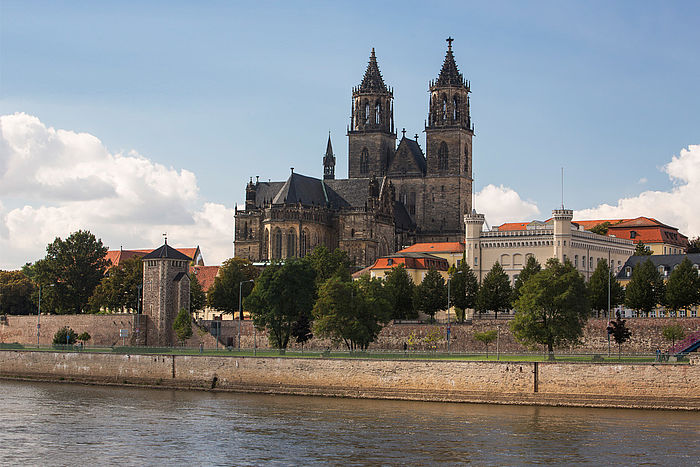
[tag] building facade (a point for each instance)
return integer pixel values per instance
(559, 238)
(395, 194)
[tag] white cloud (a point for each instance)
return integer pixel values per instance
(679, 207)
(642, 180)
(503, 204)
(69, 181)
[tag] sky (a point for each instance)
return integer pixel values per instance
(135, 118)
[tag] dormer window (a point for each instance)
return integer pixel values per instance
(633, 234)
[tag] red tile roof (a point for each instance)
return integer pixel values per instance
(205, 275)
(438, 247)
(513, 226)
(117, 256)
(412, 261)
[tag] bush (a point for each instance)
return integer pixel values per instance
(65, 336)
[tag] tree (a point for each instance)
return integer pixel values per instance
(65, 336)
(645, 289)
(197, 296)
(75, 266)
(400, 289)
(673, 333)
(601, 229)
(223, 295)
(119, 289)
(282, 294)
(16, 293)
(351, 312)
(532, 267)
(486, 338)
(620, 333)
(683, 287)
(642, 250)
(183, 325)
(84, 337)
(552, 308)
(694, 245)
(601, 278)
(464, 287)
(326, 263)
(495, 292)
(301, 330)
(431, 294)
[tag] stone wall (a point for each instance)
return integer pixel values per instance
(574, 384)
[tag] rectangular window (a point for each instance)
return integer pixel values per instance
(476, 261)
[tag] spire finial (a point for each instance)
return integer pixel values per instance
(404, 132)
(292, 169)
(449, 43)
(165, 236)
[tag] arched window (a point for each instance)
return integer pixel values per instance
(364, 161)
(442, 157)
(444, 108)
(455, 109)
(303, 239)
(377, 113)
(277, 244)
(367, 114)
(266, 245)
(291, 243)
(466, 159)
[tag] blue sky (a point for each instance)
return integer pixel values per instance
(227, 90)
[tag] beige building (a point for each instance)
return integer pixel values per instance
(560, 238)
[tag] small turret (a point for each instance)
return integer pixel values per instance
(250, 192)
(329, 161)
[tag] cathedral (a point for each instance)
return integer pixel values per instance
(395, 194)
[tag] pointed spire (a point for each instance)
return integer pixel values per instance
(373, 81)
(329, 161)
(449, 74)
(329, 147)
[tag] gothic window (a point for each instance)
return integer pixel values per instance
(277, 244)
(442, 157)
(444, 108)
(455, 109)
(303, 242)
(412, 203)
(466, 159)
(291, 243)
(364, 161)
(266, 245)
(367, 114)
(377, 113)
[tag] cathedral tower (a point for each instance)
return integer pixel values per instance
(371, 136)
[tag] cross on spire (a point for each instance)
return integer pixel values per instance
(404, 132)
(449, 43)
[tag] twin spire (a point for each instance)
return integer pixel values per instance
(449, 74)
(372, 81)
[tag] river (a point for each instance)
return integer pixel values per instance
(70, 424)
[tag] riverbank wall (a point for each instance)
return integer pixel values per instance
(657, 386)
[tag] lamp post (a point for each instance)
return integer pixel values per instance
(240, 309)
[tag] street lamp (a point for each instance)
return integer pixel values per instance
(240, 309)
(449, 280)
(38, 316)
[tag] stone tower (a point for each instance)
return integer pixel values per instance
(371, 136)
(166, 289)
(449, 133)
(329, 161)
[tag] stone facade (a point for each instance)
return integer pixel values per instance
(395, 194)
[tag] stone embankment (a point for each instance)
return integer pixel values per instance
(661, 386)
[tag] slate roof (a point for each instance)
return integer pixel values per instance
(668, 261)
(301, 189)
(415, 152)
(178, 277)
(372, 81)
(348, 192)
(402, 220)
(116, 257)
(266, 191)
(167, 252)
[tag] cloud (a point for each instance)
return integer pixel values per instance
(503, 204)
(677, 207)
(68, 181)
(642, 180)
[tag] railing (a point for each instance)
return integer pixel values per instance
(683, 346)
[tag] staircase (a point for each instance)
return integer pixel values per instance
(690, 344)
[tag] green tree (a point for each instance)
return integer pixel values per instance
(645, 289)
(683, 287)
(431, 294)
(464, 287)
(301, 330)
(75, 266)
(673, 333)
(326, 263)
(282, 294)
(16, 294)
(118, 291)
(694, 245)
(197, 296)
(552, 308)
(223, 295)
(400, 288)
(532, 267)
(351, 312)
(620, 333)
(183, 325)
(84, 337)
(601, 229)
(495, 292)
(65, 336)
(598, 288)
(642, 250)
(486, 338)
